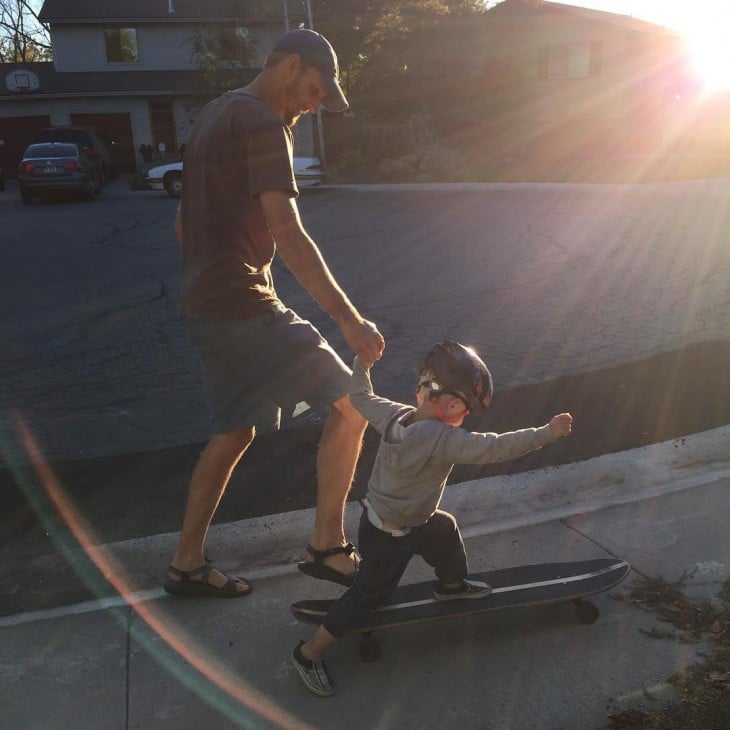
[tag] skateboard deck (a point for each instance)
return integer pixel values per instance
(523, 585)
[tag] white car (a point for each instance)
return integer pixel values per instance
(307, 171)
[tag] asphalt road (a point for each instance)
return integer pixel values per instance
(545, 280)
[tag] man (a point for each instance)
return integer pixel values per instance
(238, 208)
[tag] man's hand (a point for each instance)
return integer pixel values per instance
(364, 339)
(561, 425)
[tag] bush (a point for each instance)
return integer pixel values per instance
(137, 182)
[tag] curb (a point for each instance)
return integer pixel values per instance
(264, 547)
(273, 544)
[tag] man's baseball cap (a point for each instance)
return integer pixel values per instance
(316, 50)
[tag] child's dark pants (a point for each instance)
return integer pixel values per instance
(385, 558)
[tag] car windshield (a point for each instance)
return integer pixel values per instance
(51, 150)
(68, 135)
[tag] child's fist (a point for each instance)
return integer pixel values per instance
(561, 425)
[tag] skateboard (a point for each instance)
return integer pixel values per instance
(517, 587)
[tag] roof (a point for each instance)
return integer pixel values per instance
(54, 84)
(554, 9)
(85, 11)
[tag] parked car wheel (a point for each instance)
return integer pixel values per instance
(93, 188)
(173, 184)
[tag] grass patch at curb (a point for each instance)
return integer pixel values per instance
(704, 688)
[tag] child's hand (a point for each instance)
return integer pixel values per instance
(561, 425)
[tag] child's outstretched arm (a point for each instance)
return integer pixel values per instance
(464, 447)
(561, 425)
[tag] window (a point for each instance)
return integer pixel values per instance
(570, 61)
(36, 151)
(121, 45)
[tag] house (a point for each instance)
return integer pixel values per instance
(135, 70)
(563, 83)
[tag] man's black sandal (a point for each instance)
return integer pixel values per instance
(317, 569)
(187, 587)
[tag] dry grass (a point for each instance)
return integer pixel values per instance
(703, 689)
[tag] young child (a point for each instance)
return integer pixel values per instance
(418, 449)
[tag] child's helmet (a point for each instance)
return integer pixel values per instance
(459, 371)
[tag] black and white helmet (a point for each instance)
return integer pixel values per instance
(457, 370)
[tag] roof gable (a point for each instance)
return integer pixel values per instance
(77, 11)
(546, 8)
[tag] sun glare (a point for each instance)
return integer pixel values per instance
(710, 49)
(702, 23)
(707, 37)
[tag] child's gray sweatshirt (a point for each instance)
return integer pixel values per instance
(413, 462)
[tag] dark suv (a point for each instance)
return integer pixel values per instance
(91, 142)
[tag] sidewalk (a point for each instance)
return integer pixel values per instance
(167, 663)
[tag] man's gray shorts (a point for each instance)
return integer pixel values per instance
(257, 368)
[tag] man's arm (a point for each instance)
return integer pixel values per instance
(304, 260)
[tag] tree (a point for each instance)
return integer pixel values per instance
(409, 70)
(404, 57)
(223, 53)
(397, 55)
(23, 37)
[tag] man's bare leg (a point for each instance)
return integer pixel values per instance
(339, 449)
(207, 485)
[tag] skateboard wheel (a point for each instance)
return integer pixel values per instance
(369, 649)
(586, 612)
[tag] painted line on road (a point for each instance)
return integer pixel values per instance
(105, 604)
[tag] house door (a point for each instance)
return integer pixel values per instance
(162, 121)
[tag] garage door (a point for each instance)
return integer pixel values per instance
(16, 134)
(116, 129)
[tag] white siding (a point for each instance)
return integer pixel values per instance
(162, 47)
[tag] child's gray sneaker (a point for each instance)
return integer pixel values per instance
(313, 673)
(467, 589)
